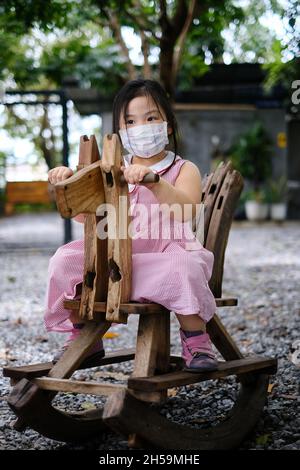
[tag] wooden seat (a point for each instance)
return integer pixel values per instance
(132, 308)
(105, 299)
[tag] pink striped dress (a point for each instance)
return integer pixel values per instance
(169, 267)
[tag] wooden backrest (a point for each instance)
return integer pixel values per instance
(220, 196)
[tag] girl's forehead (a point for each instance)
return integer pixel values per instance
(142, 104)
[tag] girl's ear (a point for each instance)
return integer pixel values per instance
(170, 130)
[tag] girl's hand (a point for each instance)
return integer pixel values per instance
(60, 173)
(134, 174)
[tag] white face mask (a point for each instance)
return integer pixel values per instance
(145, 140)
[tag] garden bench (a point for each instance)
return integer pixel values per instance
(26, 192)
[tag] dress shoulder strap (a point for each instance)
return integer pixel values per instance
(172, 172)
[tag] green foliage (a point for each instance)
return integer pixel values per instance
(251, 154)
(277, 190)
(283, 65)
(251, 41)
(258, 195)
(279, 71)
(205, 42)
(22, 15)
(69, 27)
(99, 66)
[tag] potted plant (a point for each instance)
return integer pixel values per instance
(256, 205)
(251, 155)
(277, 197)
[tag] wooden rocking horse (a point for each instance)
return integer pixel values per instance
(105, 299)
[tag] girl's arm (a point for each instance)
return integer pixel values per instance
(187, 190)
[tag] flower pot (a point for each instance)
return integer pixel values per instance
(256, 210)
(278, 211)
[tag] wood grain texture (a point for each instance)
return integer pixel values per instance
(127, 415)
(118, 249)
(181, 378)
(136, 308)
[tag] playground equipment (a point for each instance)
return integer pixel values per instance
(105, 299)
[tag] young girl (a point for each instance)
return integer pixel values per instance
(170, 271)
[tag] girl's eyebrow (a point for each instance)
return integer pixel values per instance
(149, 112)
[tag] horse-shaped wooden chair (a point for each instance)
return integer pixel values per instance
(105, 299)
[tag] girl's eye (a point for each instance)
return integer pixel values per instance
(152, 118)
(129, 121)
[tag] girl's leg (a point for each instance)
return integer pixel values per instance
(191, 322)
(196, 345)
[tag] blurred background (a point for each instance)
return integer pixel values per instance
(232, 70)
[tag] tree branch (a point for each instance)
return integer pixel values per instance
(178, 51)
(48, 153)
(116, 28)
(145, 43)
(145, 50)
(179, 18)
(163, 19)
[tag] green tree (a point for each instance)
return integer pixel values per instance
(42, 42)
(284, 63)
(168, 30)
(178, 39)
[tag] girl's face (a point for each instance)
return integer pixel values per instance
(142, 110)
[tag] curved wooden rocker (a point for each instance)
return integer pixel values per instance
(105, 299)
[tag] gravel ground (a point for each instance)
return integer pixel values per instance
(262, 269)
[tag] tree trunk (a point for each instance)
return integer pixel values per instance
(166, 65)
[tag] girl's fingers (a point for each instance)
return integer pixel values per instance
(55, 175)
(68, 172)
(62, 174)
(134, 175)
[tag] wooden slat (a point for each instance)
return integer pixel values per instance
(79, 349)
(37, 370)
(94, 285)
(211, 191)
(76, 386)
(222, 340)
(135, 308)
(180, 378)
(229, 302)
(220, 210)
(219, 226)
(152, 351)
(88, 151)
(118, 242)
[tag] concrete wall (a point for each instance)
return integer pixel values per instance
(198, 128)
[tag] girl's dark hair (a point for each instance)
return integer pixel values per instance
(141, 87)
